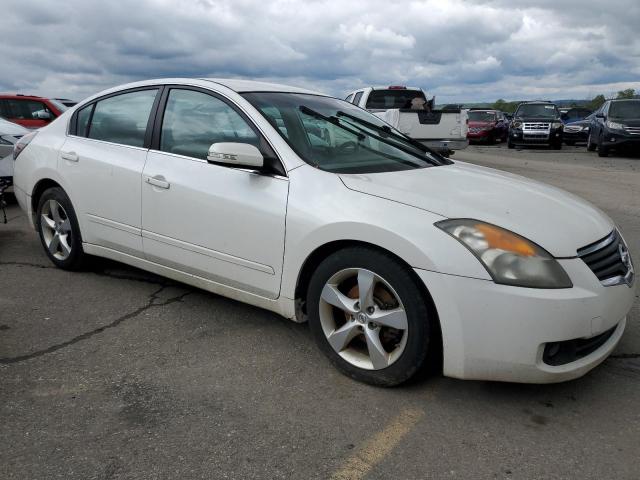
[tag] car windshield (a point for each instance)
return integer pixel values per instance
(389, 99)
(59, 105)
(482, 116)
(338, 137)
(537, 110)
(625, 109)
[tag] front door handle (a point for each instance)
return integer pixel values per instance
(158, 181)
(71, 156)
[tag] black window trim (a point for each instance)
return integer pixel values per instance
(73, 123)
(266, 148)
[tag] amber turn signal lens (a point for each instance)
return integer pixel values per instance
(500, 239)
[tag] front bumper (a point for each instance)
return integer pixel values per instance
(499, 332)
(543, 137)
(616, 139)
(581, 136)
(479, 135)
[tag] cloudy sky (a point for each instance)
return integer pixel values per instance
(457, 50)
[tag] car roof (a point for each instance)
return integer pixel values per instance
(244, 86)
(20, 95)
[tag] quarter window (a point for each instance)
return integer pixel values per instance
(193, 121)
(356, 99)
(83, 121)
(123, 118)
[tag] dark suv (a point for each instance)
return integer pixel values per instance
(536, 123)
(615, 125)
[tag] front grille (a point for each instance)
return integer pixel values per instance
(530, 126)
(572, 129)
(605, 258)
(632, 130)
(561, 353)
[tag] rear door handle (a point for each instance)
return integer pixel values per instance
(158, 181)
(71, 156)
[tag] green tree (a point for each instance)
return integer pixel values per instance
(597, 102)
(628, 93)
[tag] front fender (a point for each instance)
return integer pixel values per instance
(322, 210)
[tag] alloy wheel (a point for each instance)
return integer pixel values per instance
(56, 229)
(363, 318)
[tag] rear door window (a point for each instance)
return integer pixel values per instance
(122, 118)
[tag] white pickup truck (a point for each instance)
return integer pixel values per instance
(408, 110)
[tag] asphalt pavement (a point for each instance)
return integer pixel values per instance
(114, 373)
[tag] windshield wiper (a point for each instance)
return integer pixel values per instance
(385, 131)
(331, 120)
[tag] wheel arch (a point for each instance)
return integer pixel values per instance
(316, 257)
(38, 189)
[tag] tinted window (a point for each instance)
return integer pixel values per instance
(356, 99)
(83, 121)
(4, 109)
(537, 110)
(625, 109)
(476, 116)
(386, 99)
(123, 118)
(27, 109)
(193, 121)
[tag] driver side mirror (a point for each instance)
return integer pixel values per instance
(238, 154)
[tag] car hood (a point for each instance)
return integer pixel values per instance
(554, 219)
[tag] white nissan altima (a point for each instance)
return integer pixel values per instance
(308, 206)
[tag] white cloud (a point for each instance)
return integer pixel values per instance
(457, 50)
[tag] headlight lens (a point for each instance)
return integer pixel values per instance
(615, 126)
(556, 124)
(516, 124)
(509, 258)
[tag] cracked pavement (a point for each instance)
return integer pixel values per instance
(115, 373)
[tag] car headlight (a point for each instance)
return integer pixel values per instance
(509, 258)
(556, 125)
(615, 126)
(516, 124)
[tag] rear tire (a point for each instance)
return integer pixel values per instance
(59, 231)
(360, 341)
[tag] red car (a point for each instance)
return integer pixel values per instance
(488, 126)
(30, 111)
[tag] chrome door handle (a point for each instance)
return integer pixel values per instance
(71, 156)
(157, 181)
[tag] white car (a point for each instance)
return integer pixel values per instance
(313, 208)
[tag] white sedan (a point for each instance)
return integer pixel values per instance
(311, 207)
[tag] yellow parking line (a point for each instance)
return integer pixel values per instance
(379, 446)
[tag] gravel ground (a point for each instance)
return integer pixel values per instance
(116, 373)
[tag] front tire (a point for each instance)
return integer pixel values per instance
(590, 145)
(369, 316)
(58, 229)
(603, 150)
(510, 145)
